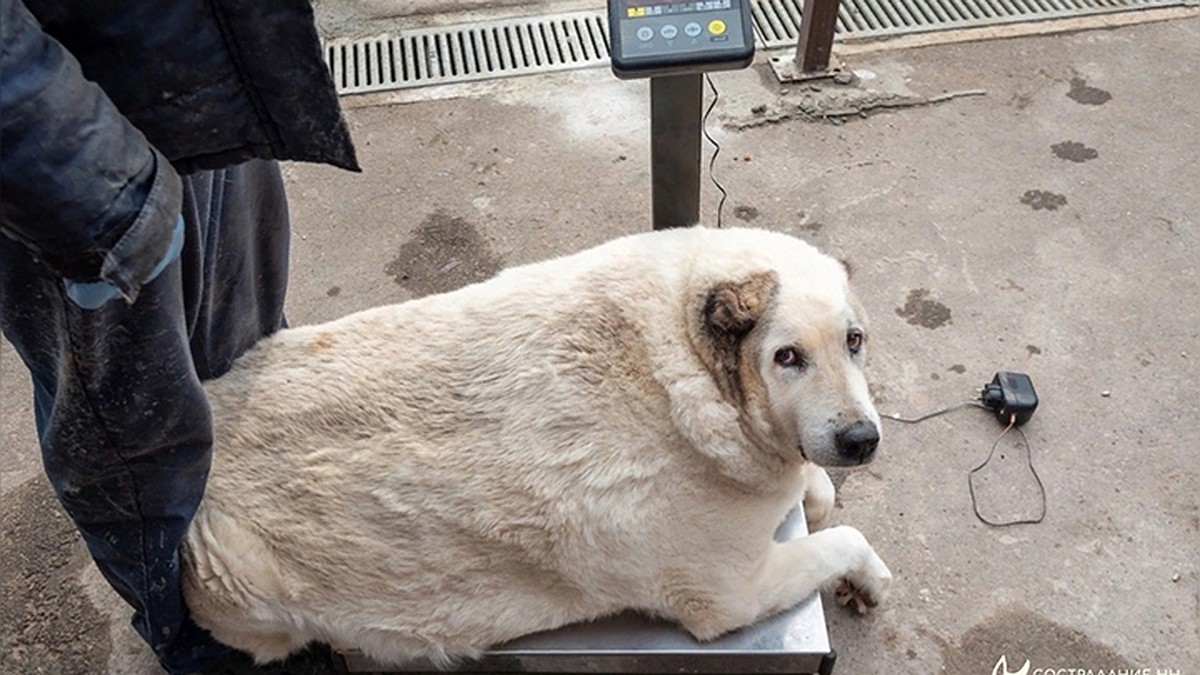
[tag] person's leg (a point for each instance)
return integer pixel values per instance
(122, 419)
(124, 428)
(235, 274)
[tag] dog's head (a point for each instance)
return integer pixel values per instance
(787, 343)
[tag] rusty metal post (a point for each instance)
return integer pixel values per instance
(818, 20)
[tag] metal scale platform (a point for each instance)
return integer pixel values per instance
(792, 642)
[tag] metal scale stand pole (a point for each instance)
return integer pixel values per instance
(675, 118)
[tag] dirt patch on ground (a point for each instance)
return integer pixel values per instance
(49, 624)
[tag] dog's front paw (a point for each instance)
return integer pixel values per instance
(865, 587)
(819, 496)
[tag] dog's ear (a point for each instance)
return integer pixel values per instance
(734, 308)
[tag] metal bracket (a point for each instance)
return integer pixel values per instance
(789, 72)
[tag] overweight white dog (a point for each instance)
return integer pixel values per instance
(619, 429)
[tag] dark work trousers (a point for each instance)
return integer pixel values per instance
(124, 426)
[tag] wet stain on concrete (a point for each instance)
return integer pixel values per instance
(745, 213)
(1033, 350)
(334, 291)
(1074, 151)
(1041, 199)
(1019, 635)
(447, 253)
(920, 310)
(957, 368)
(49, 624)
(1021, 100)
(1083, 93)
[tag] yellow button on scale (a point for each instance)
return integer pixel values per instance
(716, 27)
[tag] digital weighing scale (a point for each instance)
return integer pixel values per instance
(675, 44)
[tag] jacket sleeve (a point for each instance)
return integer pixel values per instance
(79, 185)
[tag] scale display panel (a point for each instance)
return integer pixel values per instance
(662, 37)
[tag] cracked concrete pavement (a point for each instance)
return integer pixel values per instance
(1048, 225)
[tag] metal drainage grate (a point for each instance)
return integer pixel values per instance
(523, 46)
(778, 21)
(473, 52)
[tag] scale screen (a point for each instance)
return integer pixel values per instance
(659, 37)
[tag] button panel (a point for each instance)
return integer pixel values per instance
(669, 29)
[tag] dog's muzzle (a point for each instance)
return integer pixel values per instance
(856, 443)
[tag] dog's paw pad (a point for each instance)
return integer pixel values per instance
(860, 597)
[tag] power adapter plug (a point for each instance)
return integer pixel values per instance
(1009, 395)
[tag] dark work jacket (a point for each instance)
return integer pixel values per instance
(104, 102)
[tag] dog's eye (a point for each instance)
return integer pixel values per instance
(854, 340)
(789, 357)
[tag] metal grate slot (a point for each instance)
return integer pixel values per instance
(486, 50)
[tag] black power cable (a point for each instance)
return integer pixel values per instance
(1012, 424)
(1010, 395)
(716, 148)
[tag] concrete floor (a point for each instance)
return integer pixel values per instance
(1047, 226)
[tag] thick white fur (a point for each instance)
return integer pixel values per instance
(432, 478)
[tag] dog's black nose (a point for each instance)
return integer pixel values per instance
(857, 442)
